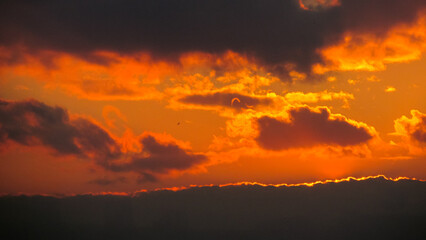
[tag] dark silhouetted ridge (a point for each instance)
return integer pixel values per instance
(375, 208)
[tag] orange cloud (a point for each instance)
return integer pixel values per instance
(113, 117)
(203, 73)
(369, 52)
(413, 128)
(111, 76)
(314, 97)
(114, 77)
(390, 89)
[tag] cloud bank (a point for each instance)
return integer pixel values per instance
(273, 31)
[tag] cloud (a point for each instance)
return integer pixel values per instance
(139, 76)
(224, 99)
(275, 32)
(157, 157)
(266, 102)
(117, 78)
(307, 127)
(108, 181)
(114, 118)
(414, 128)
(314, 97)
(390, 89)
(353, 82)
(372, 52)
(34, 123)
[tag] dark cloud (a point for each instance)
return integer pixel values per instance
(307, 128)
(231, 100)
(35, 123)
(370, 209)
(274, 31)
(159, 158)
(108, 181)
(420, 133)
(146, 177)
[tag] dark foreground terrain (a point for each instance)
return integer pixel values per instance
(369, 209)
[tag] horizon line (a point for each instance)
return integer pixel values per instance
(193, 186)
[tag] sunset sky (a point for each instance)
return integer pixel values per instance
(121, 96)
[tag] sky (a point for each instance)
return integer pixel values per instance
(120, 96)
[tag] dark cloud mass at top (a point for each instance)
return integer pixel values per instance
(273, 31)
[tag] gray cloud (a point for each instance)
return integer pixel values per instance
(108, 181)
(159, 158)
(33, 123)
(231, 100)
(307, 128)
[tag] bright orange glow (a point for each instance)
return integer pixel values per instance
(303, 5)
(390, 89)
(300, 97)
(120, 78)
(369, 53)
(131, 77)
